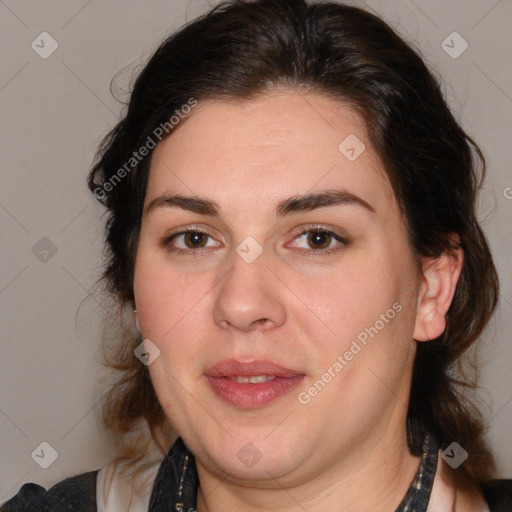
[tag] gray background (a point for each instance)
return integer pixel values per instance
(54, 113)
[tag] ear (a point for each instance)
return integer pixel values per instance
(439, 281)
(136, 318)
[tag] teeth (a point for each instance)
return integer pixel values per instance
(253, 380)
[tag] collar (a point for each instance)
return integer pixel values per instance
(177, 482)
(418, 495)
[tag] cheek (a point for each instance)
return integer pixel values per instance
(348, 301)
(171, 314)
(365, 314)
(166, 300)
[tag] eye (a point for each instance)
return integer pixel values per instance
(193, 241)
(190, 241)
(320, 240)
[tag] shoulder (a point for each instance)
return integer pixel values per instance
(112, 488)
(125, 486)
(490, 496)
(498, 494)
(77, 493)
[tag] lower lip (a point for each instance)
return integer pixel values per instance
(251, 396)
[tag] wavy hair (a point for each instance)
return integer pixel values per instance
(241, 49)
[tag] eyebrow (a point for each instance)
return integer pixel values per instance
(294, 204)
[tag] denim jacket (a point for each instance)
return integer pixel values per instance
(176, 485)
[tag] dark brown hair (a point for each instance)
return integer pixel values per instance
(240, 50)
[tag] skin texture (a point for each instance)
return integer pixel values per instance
(292, 305)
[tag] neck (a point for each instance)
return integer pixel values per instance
(378, 483)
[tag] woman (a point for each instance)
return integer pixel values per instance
(292, 221)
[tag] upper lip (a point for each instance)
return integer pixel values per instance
(232, 367)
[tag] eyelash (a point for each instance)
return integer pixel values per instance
(167, 242)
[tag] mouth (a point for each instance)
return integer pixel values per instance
(251, 384)
(256, 379)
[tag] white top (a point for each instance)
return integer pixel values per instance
(114, 494)
(113, 489)
(443, 496)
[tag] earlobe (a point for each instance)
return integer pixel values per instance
(439, 282)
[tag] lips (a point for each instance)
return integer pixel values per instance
(251, 384)
(233, 368)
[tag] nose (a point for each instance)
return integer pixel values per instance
(248, 297)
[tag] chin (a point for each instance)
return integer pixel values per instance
(256, 458)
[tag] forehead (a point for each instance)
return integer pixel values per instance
(281, 143)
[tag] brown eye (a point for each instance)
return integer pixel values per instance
(189, 242)
(319, 239)
(195, 239)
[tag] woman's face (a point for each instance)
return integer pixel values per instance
(235, 282)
